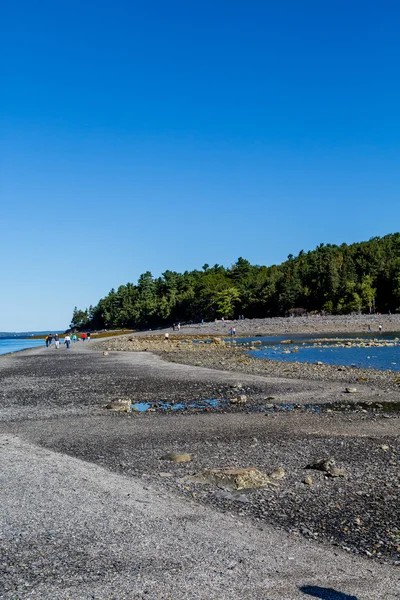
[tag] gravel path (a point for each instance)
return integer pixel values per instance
(75, 530)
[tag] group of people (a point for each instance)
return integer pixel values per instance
(52, 338)
(380, 327)
(49, 339)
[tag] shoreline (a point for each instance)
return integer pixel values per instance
(234, 358)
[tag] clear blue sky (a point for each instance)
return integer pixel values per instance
(164, 135)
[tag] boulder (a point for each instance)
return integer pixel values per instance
(238, 478)
(328, 466)
(120, 406)
(323, 464)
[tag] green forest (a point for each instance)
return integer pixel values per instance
(361, 277)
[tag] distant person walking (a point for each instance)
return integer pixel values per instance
(50, 339)
(179, 326)
(67, 341)
(74, 338)
(88, 336)
(57, 341)
(47, 341)
(380, 328)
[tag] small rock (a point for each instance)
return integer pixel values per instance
(384, 447)
(337, 472)
(242, 498)
(105, 353)
(323, 464)
(177, 458)
(242, 399)
(120, 406)
(307, 480)
(350, 390)
(278, 473)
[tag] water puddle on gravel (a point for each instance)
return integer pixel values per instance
(204, 404)
(208, 404)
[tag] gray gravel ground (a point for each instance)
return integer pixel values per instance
(90, 509)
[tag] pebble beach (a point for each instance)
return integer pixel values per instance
(290, 476)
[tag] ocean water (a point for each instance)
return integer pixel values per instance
(14, 344)
(309, 351)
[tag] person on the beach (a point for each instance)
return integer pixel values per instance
(179, 326)
(166, 337)
(233, 331)
(57, 340)
(83, 337)
(88, 336)
(74, 338)
(380, 328)
(67, 341)
(47, 341)
(50, 339)
(369, 328)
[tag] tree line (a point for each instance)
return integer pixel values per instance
(361, 277)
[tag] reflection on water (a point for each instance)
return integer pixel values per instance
(206, 403)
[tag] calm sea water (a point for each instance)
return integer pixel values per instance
(15, 344)
(381, 358)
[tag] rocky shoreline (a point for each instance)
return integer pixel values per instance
(234, 357)
(270, 454)
(310, 504)
(308, 325)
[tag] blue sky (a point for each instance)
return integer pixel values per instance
(151, 136)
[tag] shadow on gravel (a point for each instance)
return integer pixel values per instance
(325, 593)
